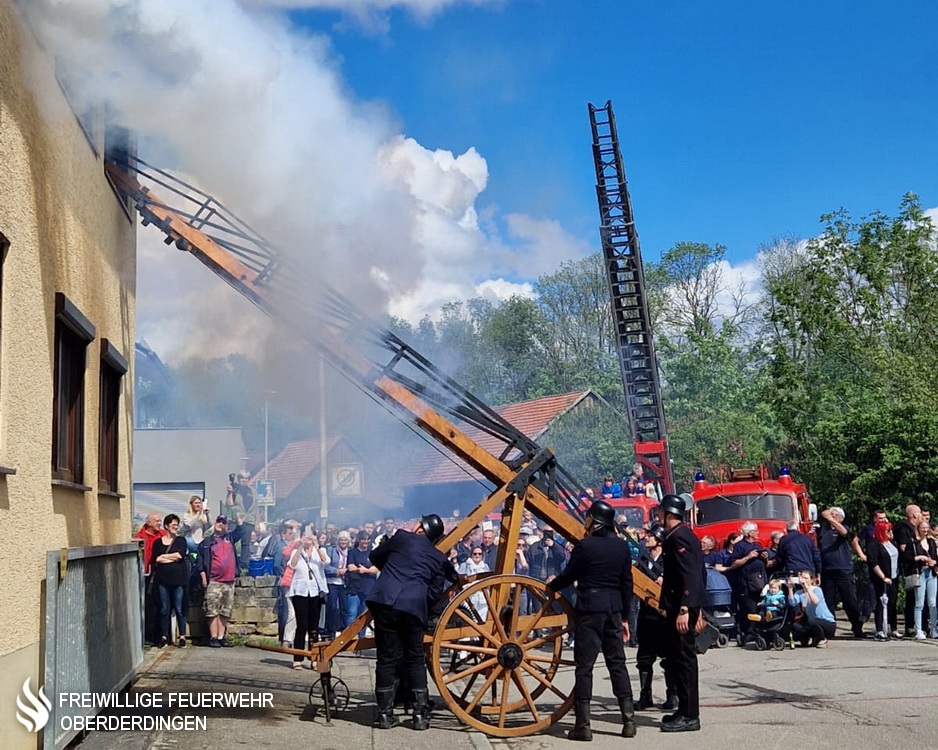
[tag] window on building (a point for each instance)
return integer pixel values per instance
(73, 332)
(113, 367)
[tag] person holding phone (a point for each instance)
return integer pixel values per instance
(307, 591)
(196, 523)
(818, 624)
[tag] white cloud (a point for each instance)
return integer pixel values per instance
(374, 16)
(498, 290)
(544, 245)
(428, 299)
(932, 213)
(419, 7)
(742, 282)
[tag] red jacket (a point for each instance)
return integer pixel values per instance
(148, 539)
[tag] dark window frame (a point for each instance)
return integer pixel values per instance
(73, 333)
(113, 369)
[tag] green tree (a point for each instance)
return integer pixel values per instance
(715, 406)
(689, 292)
(575, 329)
(852, 317)
(712, 387)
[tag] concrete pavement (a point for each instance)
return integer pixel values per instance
(852, 694)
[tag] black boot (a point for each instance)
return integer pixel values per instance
(645, 699)
(420, 702)
(581, 729)
(681, 724)
(629, 728)
(402, 696)
(384, 715)
(670, 700)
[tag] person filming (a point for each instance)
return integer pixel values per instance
(240, 502)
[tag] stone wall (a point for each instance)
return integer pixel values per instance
(254, 611)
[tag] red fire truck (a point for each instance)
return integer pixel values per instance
(744, 495)
(639, 510)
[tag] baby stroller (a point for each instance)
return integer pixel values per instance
(773, 630)
(718, 610)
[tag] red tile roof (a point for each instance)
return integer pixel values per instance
(294, 463)
(531, 417)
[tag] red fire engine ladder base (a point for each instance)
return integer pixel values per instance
(623, 259)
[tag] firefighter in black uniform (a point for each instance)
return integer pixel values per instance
(412, 572)
(652, 638)
(682, 596)
(602, 567)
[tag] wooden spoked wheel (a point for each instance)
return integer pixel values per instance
(492, 662)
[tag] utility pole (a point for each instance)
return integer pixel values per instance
(266, 446)
(323, 467)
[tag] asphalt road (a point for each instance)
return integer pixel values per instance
(850, 695)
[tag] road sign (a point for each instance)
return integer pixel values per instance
(267, 492)
(346, 480)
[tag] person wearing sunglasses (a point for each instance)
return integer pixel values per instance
(473, 566)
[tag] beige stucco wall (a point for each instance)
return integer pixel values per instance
(67, 233)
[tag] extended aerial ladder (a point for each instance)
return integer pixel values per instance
(635, 346)
(494, 671)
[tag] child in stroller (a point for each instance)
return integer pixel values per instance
(772, 623)
(773, 600)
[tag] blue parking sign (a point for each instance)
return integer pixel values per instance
(267, 492)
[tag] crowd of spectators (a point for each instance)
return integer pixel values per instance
(865, 572)
(325, 575)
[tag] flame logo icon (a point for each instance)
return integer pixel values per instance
(37, 713)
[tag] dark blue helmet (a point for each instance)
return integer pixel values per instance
(674, 504)
(432, 526)
(603, 515)
(658, 531)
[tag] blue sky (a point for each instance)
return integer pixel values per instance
(739, 122)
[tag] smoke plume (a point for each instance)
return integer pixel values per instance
(257, 113)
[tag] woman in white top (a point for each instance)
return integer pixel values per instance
(473, 566)
(307, 591)
(195, 523)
